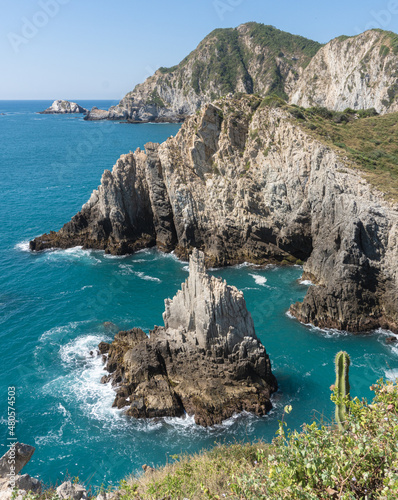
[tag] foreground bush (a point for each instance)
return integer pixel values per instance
(321, 461)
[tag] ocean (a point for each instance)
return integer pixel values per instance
(56, 306)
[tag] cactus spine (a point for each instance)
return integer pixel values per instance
(342, 387)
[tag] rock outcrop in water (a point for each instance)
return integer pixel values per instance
(205, 361)
(246, 182)
(60, 107)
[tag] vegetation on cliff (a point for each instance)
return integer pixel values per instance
(368, 140)
(233, 53)
(319, 462)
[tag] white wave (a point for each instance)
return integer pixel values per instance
(186, 268)
(146, 277)
(246, 264)
(110, 256)
(260, 280)
(306, 283)
(392, 375)
(73, 254)
(79, 349)
(241, 266)
(129, 269)
(61, 331)
(23, 246)
(250, 288)
(82, 382)
(328, 333)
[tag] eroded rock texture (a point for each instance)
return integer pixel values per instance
(61, 107)
(245, 182)
(205, 361)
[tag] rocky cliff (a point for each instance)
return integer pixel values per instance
(63, 107)
(352, 72)
(247, 181)
(205, 361)
(358, 72)
(252, 58)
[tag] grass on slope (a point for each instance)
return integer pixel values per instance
(368, 140)
(228, 58)
(320, 462)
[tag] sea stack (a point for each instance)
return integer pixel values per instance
(206, 361)
(61, 107)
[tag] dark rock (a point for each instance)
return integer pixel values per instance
(180, 368)
(20, 454)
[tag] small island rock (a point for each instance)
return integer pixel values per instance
(206, 361)
(60, 107)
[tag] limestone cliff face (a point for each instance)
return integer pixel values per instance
(206, 361)
(352, 72)
(250, 58)
(244, 182)
(118, 216)
(215, 314)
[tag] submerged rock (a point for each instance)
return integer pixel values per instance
(60, 107)
(206, 360)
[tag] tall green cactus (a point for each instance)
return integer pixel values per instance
(342, 387)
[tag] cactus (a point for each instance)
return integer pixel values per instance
(342, 387)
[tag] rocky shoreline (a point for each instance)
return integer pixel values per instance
(246, 182)
(206, 361)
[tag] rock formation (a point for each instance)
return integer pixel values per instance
(357, 72)
(60, 107)
(247, 182)
(118, 216)
(252, 58)
(12, 484)
(205, 361)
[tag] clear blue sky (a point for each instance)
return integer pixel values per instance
(99, 49)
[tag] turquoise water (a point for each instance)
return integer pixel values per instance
(53, 307)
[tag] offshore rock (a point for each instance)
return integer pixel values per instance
(206, 360)
(60, 107)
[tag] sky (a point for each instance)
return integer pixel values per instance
(100, 49)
